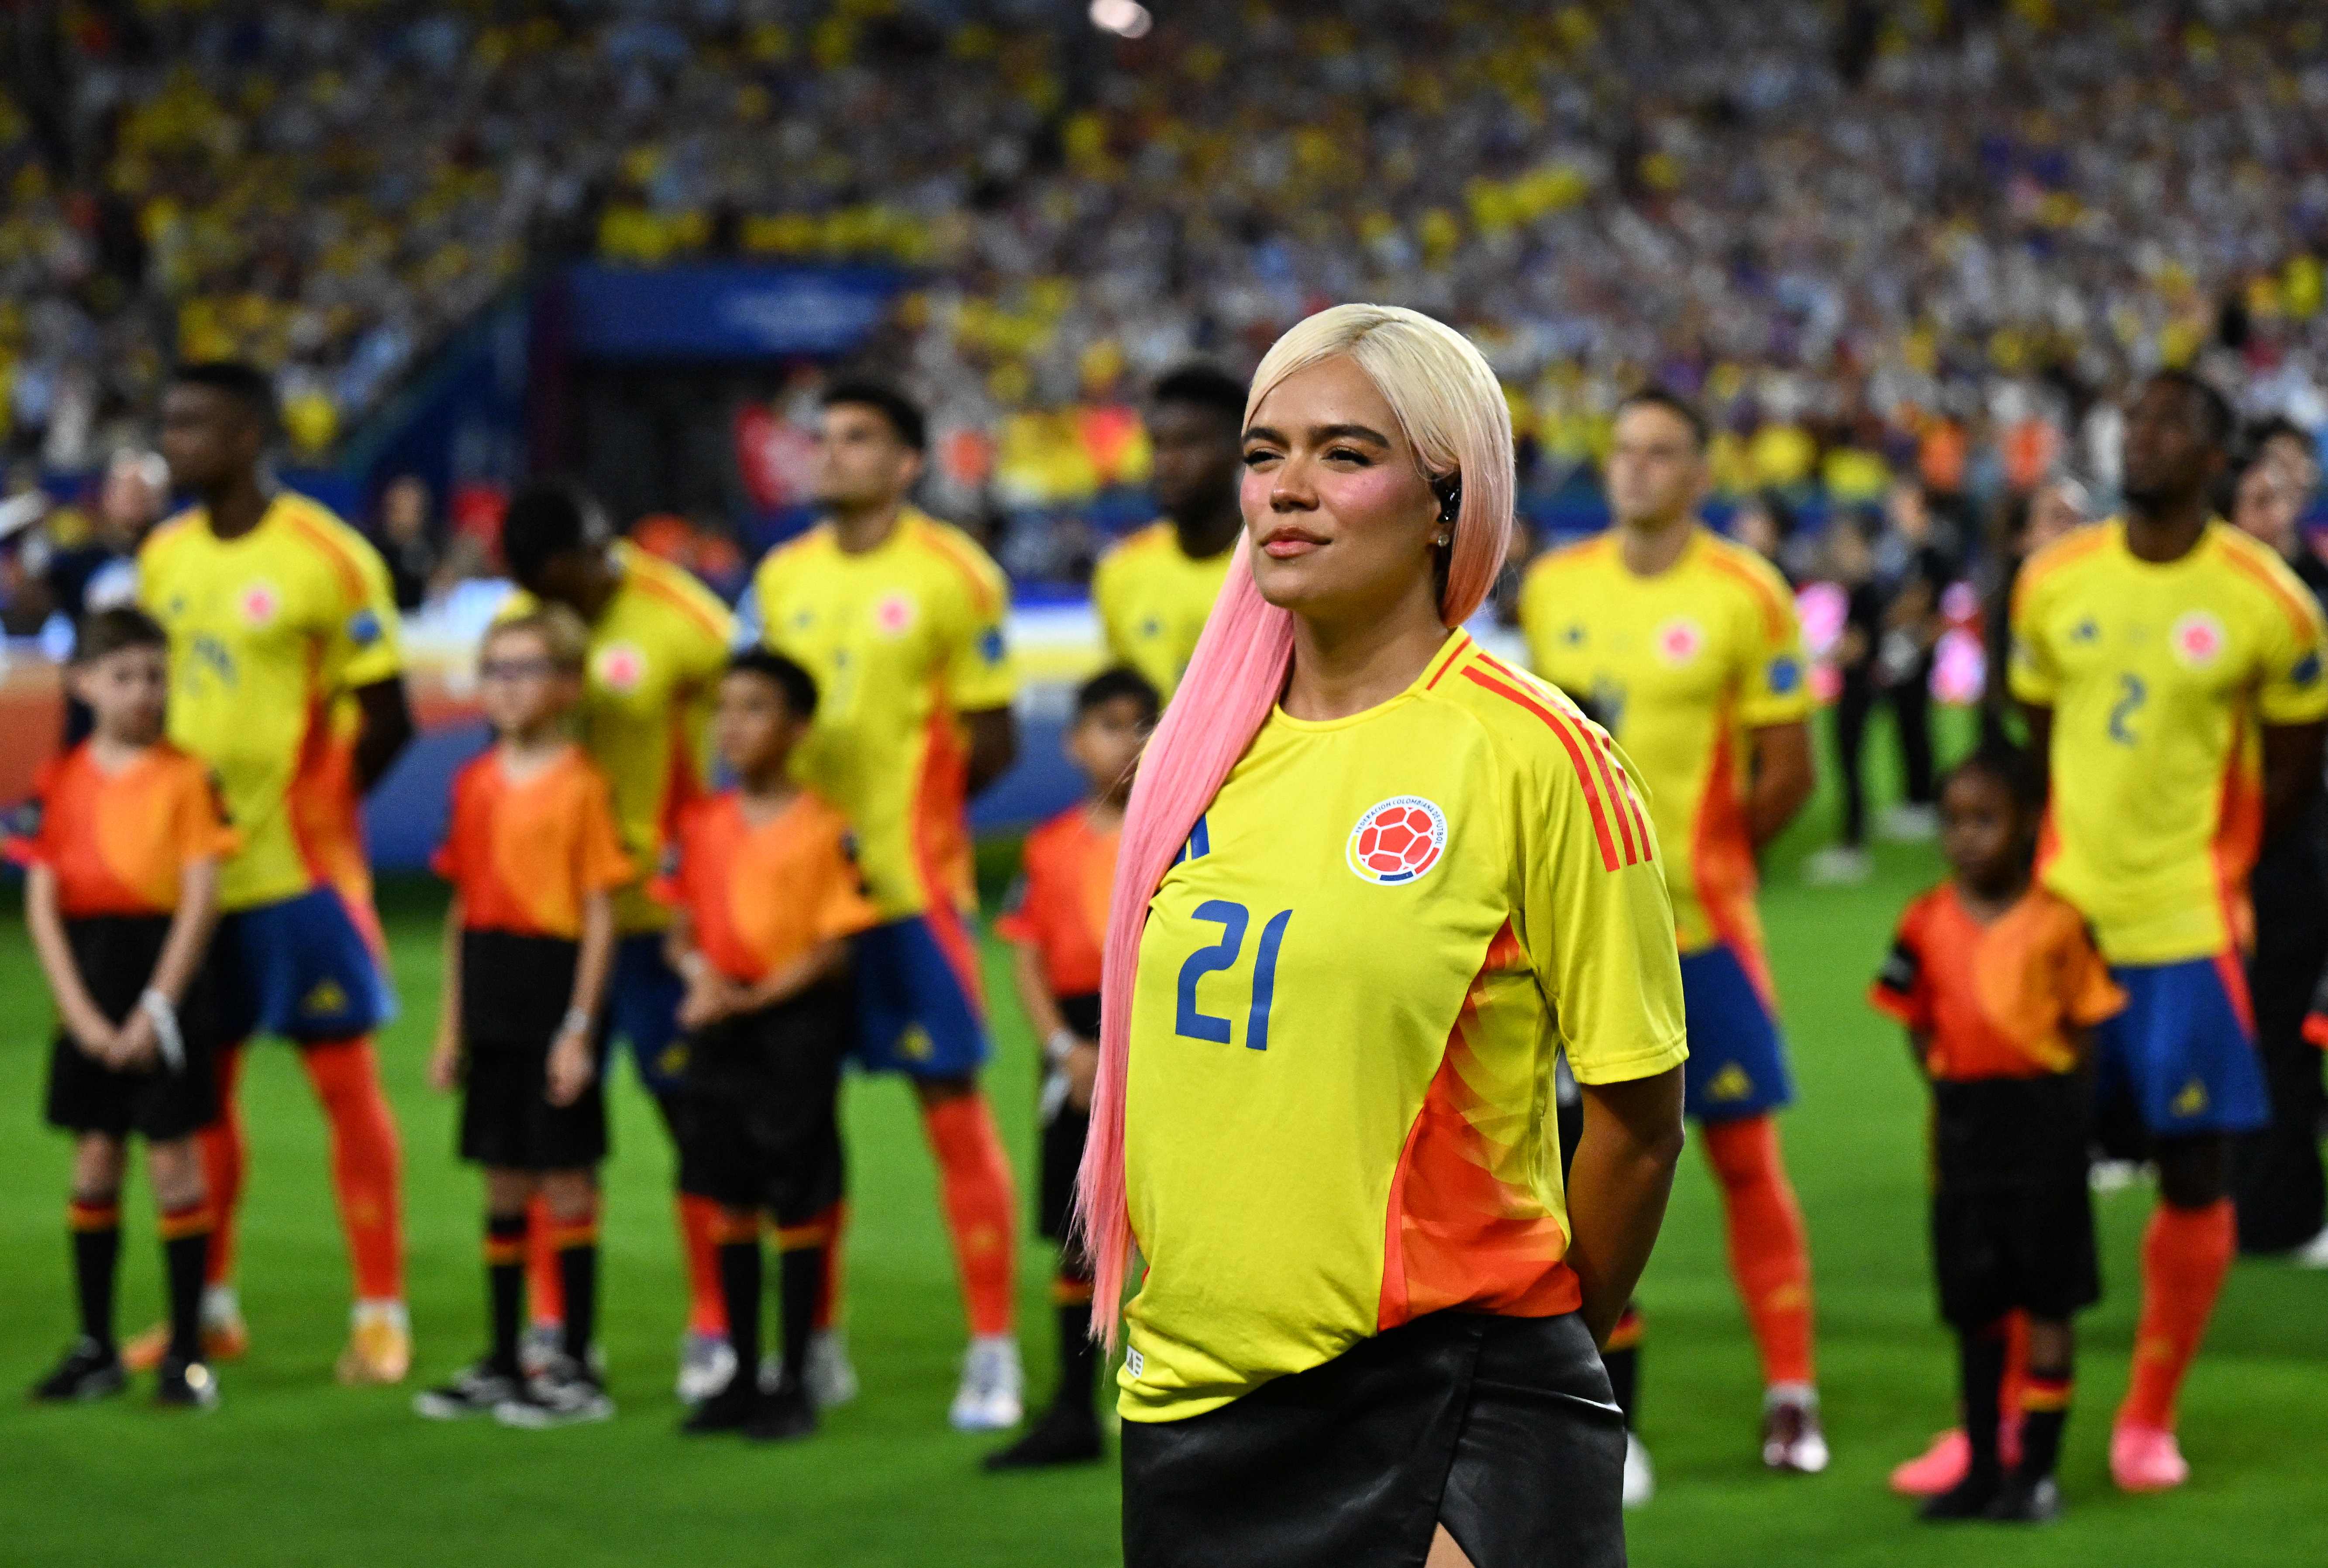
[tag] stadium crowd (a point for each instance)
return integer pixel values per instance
(1812, 217)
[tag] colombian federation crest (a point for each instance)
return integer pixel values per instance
(893, 614)
(1397, 840)
(259, 604)
(2197, 638)
(619, 667)
(1679, 640)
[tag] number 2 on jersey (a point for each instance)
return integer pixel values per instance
(2132, 693)
(1235, 920)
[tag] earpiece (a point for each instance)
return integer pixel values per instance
(1449, 492)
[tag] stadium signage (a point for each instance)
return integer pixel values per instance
(725, 312)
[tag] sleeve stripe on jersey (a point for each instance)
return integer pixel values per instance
(982, 592)
(1454, 655)
(2302, 617)
(1775, 613)
(2052, 558)
(672, 593)
(1621, 788)
(342, 565)
(1552, 721)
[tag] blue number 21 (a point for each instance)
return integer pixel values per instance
(1233, 919)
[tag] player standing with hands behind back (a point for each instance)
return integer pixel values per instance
(1056, 925)
(121, 891)
(534, 858)
(1688, 647)
(286, 678)
(2170, 670)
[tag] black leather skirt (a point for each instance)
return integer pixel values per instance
(1501, 1428)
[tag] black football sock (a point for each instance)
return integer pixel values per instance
(2044, 1411)
(1078, 1355)
(505, 1286)
(1622, 1357)
(96, 1225)
(577, 1245)
(800, 1279)
(739, 1290)
(1980, 1364)
(185, 1252)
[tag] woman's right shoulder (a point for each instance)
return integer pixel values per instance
(1541, 740)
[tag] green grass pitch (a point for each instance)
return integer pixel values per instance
(294, 1469)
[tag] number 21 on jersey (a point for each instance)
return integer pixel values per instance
(1235, 920)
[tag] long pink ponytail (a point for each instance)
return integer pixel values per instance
(1454, 416)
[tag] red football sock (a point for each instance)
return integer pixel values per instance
(981, 1206)
(545, 1287)
(1770, 1250)
(364, 1161)
(223, 1154)
(2186, 1253)
(2013, 1387)
(700, 1225)
(829, 1297)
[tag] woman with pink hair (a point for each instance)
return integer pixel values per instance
(1373, 882)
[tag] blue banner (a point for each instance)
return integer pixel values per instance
(725, 312)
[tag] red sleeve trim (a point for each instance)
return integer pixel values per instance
(1570, 739)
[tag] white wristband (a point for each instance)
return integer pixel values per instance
(167, 1040)
(1057, 1048)
(577, 1021)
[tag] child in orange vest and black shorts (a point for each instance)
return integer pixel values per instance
(767, 895)
(2000, 984)
(534, 857)
(122, 845)
(1057, 918)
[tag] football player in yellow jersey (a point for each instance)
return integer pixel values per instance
(286, 680)
(659, 642)
(1686, 647)
(1154, 589)
(900, 619)
(2170, 668)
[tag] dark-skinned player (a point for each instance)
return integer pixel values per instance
(286, 679)
(2170, 670)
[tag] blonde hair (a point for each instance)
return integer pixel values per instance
(563, 635)
(1450, 408)
(1452, 413)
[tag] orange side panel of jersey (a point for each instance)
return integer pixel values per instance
(682, 780)
(1722, 865)
(1457, 1235)
(320, 805)
(2239, 834)
(941, 847)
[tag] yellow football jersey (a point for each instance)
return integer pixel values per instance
(1350, 992)
(270, 636)
(1682, 667)
(1152, 599)
(656, 654)
(902, 639)
(2160, 677)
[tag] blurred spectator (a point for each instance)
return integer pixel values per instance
(1917, 564)
(1848, 560)
(1766, 525)
(407, 539)
(2054, 511)
(2282, 1192)
(2283, 445)
(1861, 272)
